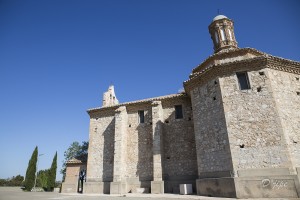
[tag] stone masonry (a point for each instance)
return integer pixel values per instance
(234, 132)
(141, 155)
(71, 183)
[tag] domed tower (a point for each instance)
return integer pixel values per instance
(245, 115)
(222, 33)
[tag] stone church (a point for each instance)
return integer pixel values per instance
(234, 132)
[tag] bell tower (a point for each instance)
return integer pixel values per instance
(109, 97)
(222, 33)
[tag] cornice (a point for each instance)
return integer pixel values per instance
(282, 64)
(150, 100)
(226, 53)
(75, 161)
(256, 63)
(213, 71)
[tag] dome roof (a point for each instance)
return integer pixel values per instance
(220, 17)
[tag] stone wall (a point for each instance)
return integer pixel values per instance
(139, 147)
(179, 149)
(70, 184)
(285, 87)
(254, 129)
(121, 148)
(212, 144)
(139, 143)
(178, 140)
(101, 146)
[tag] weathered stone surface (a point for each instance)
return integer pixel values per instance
(96, 187)
(179, 146)
(285, 87)
(253, 125)
(213, 152)
(139, 144)
(118, 188)
(229, 141)
(101, 146)
(157, 187)
(266, 187)
(70, 185)
(141, 190)
(217, 187)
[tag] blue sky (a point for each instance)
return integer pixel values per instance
(57, 57)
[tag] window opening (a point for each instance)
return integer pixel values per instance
(243, 80)
(141, 116)
(216, 37)
(178, 112)
(222, 34)
(230, 36)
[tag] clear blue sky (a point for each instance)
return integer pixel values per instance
(57, 57)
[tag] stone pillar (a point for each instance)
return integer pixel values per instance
(118, 186)
(157, 185)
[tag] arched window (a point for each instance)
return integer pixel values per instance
(222, 34)
(230, 36)
(216, 37)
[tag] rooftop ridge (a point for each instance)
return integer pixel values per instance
(225, 52)
(140, 101)
(74, 160)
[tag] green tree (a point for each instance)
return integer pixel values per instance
(75, 150)
(16, 180)
(42, 179)
(31, 169)
(52, 174)
(2, 182)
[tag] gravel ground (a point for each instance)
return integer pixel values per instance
(15, 193)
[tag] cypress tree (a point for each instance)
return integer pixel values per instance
(52, 174)
(31, 170)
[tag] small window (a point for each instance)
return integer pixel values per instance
(230, 36)
(178, 112)
(141, 116)
(222, 34)
(216, 37)
(243, 80)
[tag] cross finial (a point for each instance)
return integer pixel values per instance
(218, 11)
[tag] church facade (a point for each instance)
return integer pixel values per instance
(234, 132)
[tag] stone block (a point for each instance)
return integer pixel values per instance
(118, 188)
(141, 190)
(263, 172)
(94, 188)
(217, 187)
(267, 187)
(157, 187)
(69, 187)
(298, 182)
(186, 189)
(215, 174)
